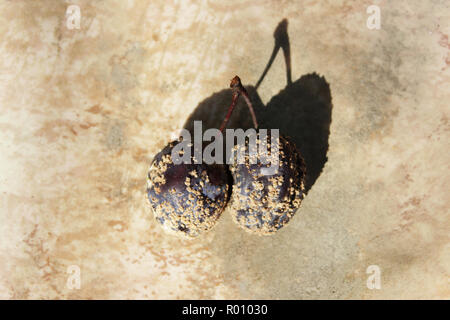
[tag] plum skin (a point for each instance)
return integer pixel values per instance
(262, 204)
(187, 199)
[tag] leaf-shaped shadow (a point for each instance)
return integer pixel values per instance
(302, 111)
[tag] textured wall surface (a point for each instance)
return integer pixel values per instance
(83, 111)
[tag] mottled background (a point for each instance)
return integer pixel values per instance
(83, 111)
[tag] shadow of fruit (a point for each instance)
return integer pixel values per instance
(302, 110)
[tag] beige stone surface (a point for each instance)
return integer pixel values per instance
(83, 112)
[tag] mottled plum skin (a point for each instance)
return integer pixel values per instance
(187, 199)
(262, 204)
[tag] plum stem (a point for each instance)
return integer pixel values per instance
(238, 89)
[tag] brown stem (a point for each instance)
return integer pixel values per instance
(238, 89)
(250, 107)
(230, 111)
